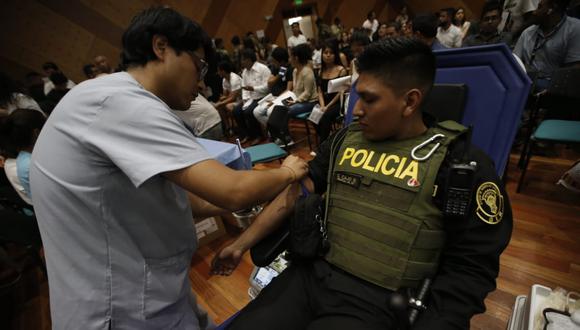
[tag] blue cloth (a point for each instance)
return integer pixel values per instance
(227, 154)
(299, 108)
(23, 170)
(437, 45)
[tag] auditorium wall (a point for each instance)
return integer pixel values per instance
(72, 32)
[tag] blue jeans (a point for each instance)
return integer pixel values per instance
(298, 108)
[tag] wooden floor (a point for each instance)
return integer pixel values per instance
(544, 249)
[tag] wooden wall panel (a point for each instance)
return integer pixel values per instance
(244, 16)
(354, 13)
(472, 7)
(196, 9)
(72, 32)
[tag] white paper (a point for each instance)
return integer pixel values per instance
(316, 114)
(339, 84)
(283, 96)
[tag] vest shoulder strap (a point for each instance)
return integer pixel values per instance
(453, 126)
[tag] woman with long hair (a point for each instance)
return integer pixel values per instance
(461, 22)
(329, 102)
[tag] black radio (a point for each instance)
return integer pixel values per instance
(460, 184)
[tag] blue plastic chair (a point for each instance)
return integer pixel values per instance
(563, 90)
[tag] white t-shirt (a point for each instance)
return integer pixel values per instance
(450, 38)
(11, 169)
(373, 26)
(295, 41)
(118, 236)
(21, 101)
(49, 85)
(235, 84)
(201, 115)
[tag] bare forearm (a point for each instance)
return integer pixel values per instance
(200, 208)
(270, 219)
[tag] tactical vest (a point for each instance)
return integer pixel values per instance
(382, 224)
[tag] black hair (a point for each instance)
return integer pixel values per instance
(491, 6)
(88, 69)
(235, 41)
(337, 20)
(370, 14)
(561, 4)
(458, 23)
(58, 78)
(181, 33)
(249, 54)
(50, 65)
(331, 44)
(280, 54)
(303, 53)
(8, 88)
(450, 12)
(394, 24)
(426, 24)
(218, 42)
(17, 130)
(295, 23)
(361, 36)
(226, 66)
(402, 63)
(249, 43)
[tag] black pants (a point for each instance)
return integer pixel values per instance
(247, 124)
(317, 296)
(325, 124)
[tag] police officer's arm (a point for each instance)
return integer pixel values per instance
(470, 261)
(235, 190)
(273, 215)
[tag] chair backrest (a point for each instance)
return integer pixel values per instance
(446, 102)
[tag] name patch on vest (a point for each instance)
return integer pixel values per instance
(349, 179)
(393, 165)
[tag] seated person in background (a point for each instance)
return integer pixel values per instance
(387, 30)
(60, 81)
(448, 34)
(18, 132)
(12, 98)
(102, 65)
(358, 41)
(279, 82)
(232, 93)
(552, 43)
(425, 29)
(387, 230)
(304, 81)
(203, 118)
(254, 87)
(329, 102)
(50, 68)
(488, 32)
(90, 71)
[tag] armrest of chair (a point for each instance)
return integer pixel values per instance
(270, 247)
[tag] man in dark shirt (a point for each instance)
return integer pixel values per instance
(488, 32)
(329, 292)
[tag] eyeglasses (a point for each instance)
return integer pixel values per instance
(201, 64)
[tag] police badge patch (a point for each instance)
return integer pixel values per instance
(489, 203)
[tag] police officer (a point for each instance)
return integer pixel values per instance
(408, 199)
